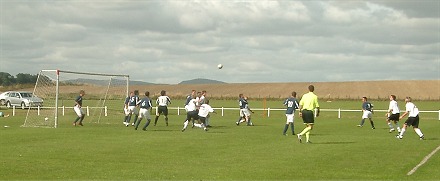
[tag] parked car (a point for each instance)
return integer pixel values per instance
(3, 98)
(23, 99)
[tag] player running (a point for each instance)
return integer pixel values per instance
(292, 104)
(78, 108)
(245, 111)
(393, 114)
(191, 112)
(163, 101)
(144, 112)
(131, 108)
(413, 119)
(367, 112)
(204, 111)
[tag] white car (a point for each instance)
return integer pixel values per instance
(23, 99)
(3, 98)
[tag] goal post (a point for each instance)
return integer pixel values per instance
(104, 99)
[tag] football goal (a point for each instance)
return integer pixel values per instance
(103, 100)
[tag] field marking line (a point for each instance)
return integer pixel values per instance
(427, 157)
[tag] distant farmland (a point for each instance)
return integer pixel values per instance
(418, 89)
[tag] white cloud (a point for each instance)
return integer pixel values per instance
(257, 41)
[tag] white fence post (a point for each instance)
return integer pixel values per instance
(88, 111)
(268, 112)
(439, 115)
(178, 110)
(38, 112)
(13, 110)
(63, 110)
(339, 113)
(105, 111)
(223, 110)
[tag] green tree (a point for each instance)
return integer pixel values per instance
(25, 78)
(6, 79)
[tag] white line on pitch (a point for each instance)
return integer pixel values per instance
(427, 157)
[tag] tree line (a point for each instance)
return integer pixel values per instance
(7, 79)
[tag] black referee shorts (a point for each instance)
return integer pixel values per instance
(308, 117)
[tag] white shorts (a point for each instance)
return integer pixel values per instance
(78, 110)
(245, 112)
(367, 114)
(144, 113)
(126, 112)
(290, 118)
(132, 109)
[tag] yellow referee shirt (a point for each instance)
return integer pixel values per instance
(309, 101)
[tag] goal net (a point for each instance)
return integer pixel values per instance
(103, 100)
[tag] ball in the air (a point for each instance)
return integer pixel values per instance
(46, 118)
(219, 66)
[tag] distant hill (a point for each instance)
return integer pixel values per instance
(202, 81)
(104, 82)
(133, 82)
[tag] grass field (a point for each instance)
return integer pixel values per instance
(110, 151)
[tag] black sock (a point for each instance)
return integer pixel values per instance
(155, 120)
(292, 127)
(362, 122)
(146, 124)
(137, 123)
(135, 118)
(286, 126)
(372, 123)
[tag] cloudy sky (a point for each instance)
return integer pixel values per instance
(257, 41)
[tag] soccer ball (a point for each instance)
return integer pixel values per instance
(219, 66)
(46, 118)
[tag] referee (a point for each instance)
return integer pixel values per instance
(307, 106)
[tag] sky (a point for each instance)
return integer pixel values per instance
(167, 42)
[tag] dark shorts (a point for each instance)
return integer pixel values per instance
(394, 117)
(412, 121)
(202, 119)
(192, 115)
(308, 117)
(162, 109)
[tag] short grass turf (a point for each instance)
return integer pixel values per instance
(111, 151)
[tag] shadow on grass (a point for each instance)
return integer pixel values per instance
(168, 130)
(429, 139)
(219, 127)
(334, 142)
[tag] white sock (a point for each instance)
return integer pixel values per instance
(402, 131)
(418, 131)
(185, 124)
(198, 125)
(391, 126)
(207, 121)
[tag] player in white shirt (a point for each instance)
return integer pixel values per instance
(162, 101)
(202, 101)
(191, 112)
(204, 111)
(198, 104)
(393, 114)
(413, 119)
(189, 98)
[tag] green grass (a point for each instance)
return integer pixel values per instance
(110, 151)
